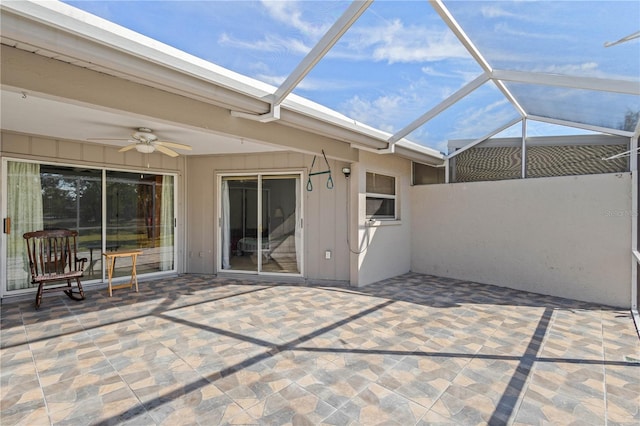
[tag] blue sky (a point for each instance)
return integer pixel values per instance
(399, 59)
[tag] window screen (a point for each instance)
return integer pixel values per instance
(381, 196)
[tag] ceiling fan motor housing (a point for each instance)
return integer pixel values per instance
(144, 135)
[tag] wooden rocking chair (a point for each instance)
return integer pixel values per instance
(53, 258)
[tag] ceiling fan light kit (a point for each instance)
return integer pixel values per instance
(144, 141)
(145, 148)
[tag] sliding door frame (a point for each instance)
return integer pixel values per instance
(4, 292)
(259, 175)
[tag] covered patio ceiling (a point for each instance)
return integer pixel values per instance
(411, 72)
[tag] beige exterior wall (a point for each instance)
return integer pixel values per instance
(325, 217)
(325, 211)
(562, 236)
(77, 152)
(383, 249)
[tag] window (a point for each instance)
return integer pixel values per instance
(381, 196)
(427, 175)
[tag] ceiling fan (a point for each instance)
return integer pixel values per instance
(144, 141)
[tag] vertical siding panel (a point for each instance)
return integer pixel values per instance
(93, 153)
(69, 150)
(45, 147)
(18, 144)
(237, 162)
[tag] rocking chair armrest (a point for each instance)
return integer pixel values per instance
(82, 261)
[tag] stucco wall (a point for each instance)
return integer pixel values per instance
(562, 236)
(382, 250)
(325, 217)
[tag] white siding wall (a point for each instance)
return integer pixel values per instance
(562, 236)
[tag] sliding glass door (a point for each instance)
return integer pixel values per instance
(111, 210)
(260, 224)
(240, 224)
(50, 197)
(140, 216)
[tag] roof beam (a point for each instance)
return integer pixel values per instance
(623, 39)
(582, 126)
(507, 93)
(321, 48)
(483, 138)
(453, 25)
(573, 82)
(450, 21)
(461, 93)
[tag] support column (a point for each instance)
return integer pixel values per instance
(633, 168)
(523, 160)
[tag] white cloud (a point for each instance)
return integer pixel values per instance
(309, 84)
(460, 73)
(270, 43)
(494, 11)
(394, 42)
(586, 68)
(259, 67)
(391, 113)
(475, 120)
(274, 80)
(289, 13)
(504, 29)
(286, 14)
(432, 72)
(379, 112)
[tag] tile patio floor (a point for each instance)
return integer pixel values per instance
(415, 349)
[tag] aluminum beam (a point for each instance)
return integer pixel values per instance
(573, 82)
(464, 91)
(453, 25)
(523, 159)
(348, 18)
(633, 168)
(583, 126)
(483, 138)
(450, 21)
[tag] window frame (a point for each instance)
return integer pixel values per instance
(377, 196)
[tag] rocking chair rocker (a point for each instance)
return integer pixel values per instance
(53, 258)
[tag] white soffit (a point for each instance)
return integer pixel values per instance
(62, 119)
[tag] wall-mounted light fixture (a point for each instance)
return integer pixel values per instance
(346, 171)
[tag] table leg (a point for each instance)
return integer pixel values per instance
(90, 262)
(134, 275)
(110, 265)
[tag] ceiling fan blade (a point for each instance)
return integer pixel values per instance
(173, 145)
(166, 151)
(127, 148)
